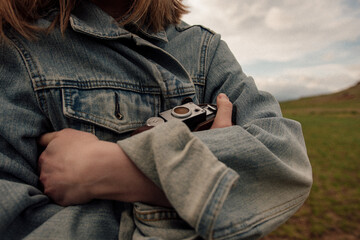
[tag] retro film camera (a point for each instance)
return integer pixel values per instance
(196, 117)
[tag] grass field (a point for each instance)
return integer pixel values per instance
(331, 126)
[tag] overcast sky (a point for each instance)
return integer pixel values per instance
(292, 48)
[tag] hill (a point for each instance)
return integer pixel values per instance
(343, 102)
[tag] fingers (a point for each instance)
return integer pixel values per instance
(66, 135)
(47, 138)
(224, 112)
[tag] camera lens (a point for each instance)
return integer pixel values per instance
(181, 112)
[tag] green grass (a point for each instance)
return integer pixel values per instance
(332, 135)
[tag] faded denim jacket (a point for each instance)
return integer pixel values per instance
(239, 182)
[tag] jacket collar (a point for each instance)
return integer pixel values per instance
(87, 18)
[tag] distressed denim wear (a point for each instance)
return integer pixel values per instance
(239, 182)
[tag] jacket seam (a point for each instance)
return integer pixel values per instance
(89, 84)
(221, 189)
(167, 215)
(85, 85)
(28, 62)
(204, 56)
(184, 28)
(203, 62)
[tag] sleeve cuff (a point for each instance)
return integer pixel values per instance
(193, 179)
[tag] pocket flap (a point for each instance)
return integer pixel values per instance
(115, 109)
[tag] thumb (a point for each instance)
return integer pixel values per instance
(224, 112)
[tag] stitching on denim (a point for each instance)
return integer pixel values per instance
(184, 28)
(44, 106)
(214, 204)
(94, 84)
(157, 220)
(209, 34)
(123, 128)
(77, 27)
(153, 211)
(204, 55)
(67, 101)
(164, 215)
(84, 114)
(198, 81)
(203, 63)
(182, 93)
(114, 85)
(31, 68)
(28, 61)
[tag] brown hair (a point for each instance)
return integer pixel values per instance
(21, 14)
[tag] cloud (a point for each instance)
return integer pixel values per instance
(277, 30)
(293, 48)
(294, 83)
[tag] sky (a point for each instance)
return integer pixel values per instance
(292, 48)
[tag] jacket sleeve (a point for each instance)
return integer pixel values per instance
(265, 149)
(239, 182)
(25, 212)
(20, 123)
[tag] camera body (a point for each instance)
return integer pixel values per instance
(194, 116)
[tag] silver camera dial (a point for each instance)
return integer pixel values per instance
(154, 121)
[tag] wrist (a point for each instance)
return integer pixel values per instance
(117, 178)
(105, 173)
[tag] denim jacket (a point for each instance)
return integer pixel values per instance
(239, 182)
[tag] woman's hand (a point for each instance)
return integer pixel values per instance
(65, 165)
(77, 167)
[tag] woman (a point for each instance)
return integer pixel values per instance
(99, 70)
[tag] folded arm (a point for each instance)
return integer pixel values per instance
(241, 181)
(77, 167)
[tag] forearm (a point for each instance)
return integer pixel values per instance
(122, 180)
(76, 167)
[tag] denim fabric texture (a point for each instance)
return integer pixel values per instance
(239, 182)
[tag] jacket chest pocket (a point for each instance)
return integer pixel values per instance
(114, 109)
